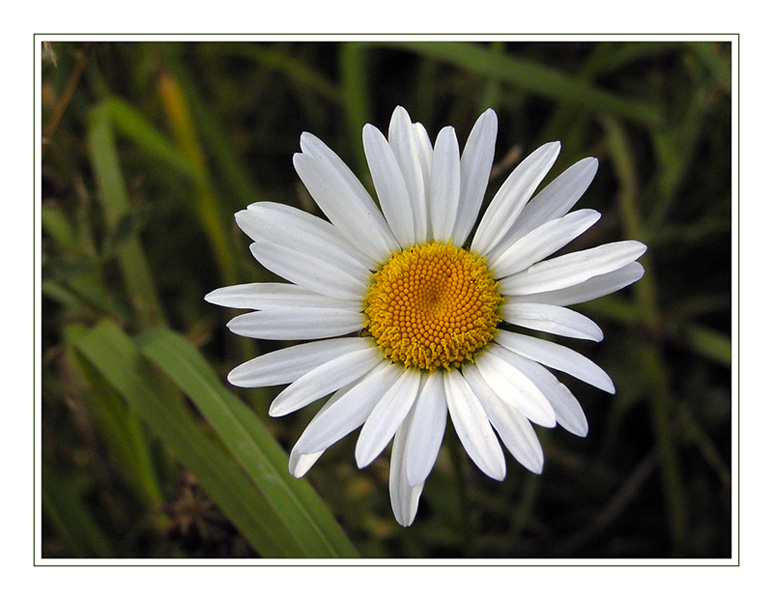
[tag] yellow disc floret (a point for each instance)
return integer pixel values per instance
(433, 305)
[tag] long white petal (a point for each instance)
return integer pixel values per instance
(288, 364)
(571, 269)
(299, 464)
(514, 429)
(557, 357)
(569, 413)
(512, 196)
(472, 426)
(427, 429)
(593, 288)
(324, 380)
(552, 319)
(424, 147)
(390, 185)
(405, 145)
(476, 161)
(386, 417)
(444, 185)
(296, 323)
(542, 242)
(514, 386)
(349, 412)
(343, 199)
(402, 495)
(314, 273)
(302, 231)
(556, 199)
(262, 296)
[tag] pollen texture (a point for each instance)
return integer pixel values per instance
(433, 305)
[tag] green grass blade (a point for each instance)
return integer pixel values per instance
(132, 124)
(116, 357)
(231, 172)
(206, 203)
(295, 506)
(115, 204)
(710, 344)
(125, 438)
(535, 78)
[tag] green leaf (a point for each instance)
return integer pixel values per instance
(119, 360)
(295, 508)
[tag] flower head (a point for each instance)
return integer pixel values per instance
(410, 322)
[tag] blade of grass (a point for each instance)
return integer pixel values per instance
(116, 357)
(206, 205)
(296, 71)
(132, 124)
(662, 402)
(121, 431)
(709, 53)
(710, 344)
(534, 77)
(230, 165)
(354, 83)
(293, 502)
(115, 204)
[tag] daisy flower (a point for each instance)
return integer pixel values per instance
(412, 309)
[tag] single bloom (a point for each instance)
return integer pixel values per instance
(413, 311)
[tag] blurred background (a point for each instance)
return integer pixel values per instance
(148, 150)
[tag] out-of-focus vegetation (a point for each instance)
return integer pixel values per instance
(148, 150)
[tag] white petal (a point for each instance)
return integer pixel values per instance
(288, 364)
(343, 199)
(262, 296)
(512, 196)
(514, 386)
(427, 429)
(556, 199)
(477, 158)
(472, 426)
(314, 273)
(595, 287)
(299, 230)
(402, 495)
(569, 413)
(542, 242)
(323, 380)
(386, 417)
(299, 464)
(405, 145)
(424, 147)
(390, 185)
(296, 323)
(444, 185)
(552, 319)
(514, 429)
(571, 269)
(349, 412)
(557, 357)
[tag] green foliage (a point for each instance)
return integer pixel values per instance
(147, 452)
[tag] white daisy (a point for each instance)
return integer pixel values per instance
(411, 321)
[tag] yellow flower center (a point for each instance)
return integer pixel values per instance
(433, 305)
